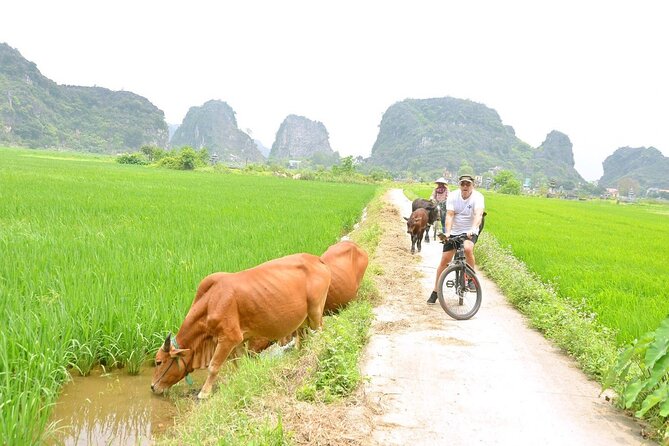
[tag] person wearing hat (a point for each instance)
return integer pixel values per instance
(439, 196)
(464, 213)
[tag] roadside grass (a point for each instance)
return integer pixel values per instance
(269, 396)
(573, 328)
(100, 260)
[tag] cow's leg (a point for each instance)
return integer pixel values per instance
(419, 241)
(427, 235)
(413, 244)
(223, 348)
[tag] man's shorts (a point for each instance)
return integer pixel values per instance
(448, 246)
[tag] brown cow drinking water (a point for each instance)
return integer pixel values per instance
(347, 262)
(416, 226)
(271, 300)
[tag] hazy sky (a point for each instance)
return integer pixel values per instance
(595, 70)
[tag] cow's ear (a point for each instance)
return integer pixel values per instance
(181, 352)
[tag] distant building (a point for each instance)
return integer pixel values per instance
(294, 164)
(610, 192)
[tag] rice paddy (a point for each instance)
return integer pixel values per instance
(99, 260)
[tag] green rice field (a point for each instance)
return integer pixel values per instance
(610, 258)
(99, 260)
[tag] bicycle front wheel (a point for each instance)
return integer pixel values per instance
(459, 292)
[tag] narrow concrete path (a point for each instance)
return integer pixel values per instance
(490, 380)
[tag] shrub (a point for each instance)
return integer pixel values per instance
(132, 158)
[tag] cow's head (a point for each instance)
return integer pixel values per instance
(171, 366)
(410, 223)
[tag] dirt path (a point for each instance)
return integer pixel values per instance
(489, 381)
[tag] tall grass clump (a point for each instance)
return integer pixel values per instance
(338, 349)
(101, 259)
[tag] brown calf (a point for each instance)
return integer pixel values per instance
(416, 226)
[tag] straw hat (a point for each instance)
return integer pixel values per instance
(440, 180)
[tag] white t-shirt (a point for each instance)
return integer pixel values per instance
(464, 210)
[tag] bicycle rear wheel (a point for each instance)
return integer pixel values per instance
(459, 296)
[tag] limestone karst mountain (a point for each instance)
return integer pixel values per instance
(300, 138)
(213, 126)
(428, 136)
(37, 112)
(646, 166)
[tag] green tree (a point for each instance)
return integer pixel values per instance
(506, 182)
(465, 168)
(188, 158)
(346, 167)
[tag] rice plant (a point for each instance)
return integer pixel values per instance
(99, 260)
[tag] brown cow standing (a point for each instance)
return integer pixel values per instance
(271, 300)
(432, 214)
(347, 262)
(416, 226)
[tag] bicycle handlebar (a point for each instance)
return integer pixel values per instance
(456, 239)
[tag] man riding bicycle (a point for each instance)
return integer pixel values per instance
(464, 213)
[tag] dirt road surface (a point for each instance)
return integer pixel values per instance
(490, 380)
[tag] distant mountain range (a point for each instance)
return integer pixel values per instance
(417, 137)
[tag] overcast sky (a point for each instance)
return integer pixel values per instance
(597, 71)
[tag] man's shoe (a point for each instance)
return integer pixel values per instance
(433, 298)
(470, 285)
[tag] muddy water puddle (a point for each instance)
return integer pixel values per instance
(114, 408)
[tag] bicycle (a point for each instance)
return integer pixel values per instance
(458, 287)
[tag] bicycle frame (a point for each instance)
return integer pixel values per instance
(459, 259)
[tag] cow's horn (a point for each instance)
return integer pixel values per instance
(166, 345)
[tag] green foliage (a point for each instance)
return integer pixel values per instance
(339, 348)
(641, 374)
(506, 182)
(185, 158)
(132, 158)
(346, 167)
(465, 169)
(153, 153)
